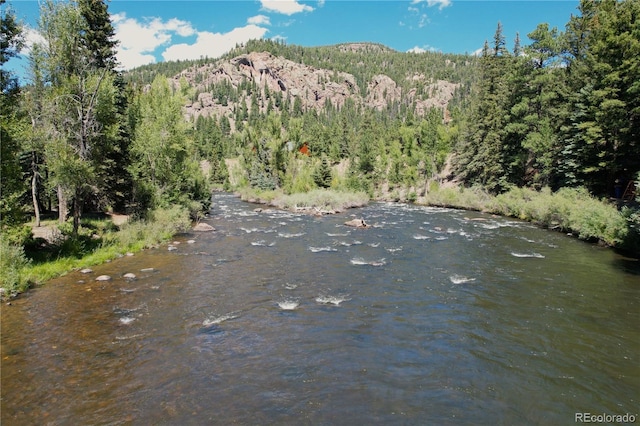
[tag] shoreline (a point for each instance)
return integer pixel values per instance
(325, 202)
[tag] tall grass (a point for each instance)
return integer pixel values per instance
(317, 200)
(569, 209)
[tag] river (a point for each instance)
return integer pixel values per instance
(430, 316)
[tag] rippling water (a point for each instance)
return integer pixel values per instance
(432, 316)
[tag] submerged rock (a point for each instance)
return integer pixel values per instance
(103, 278)
(130, 276)
(86, 271)
(203, 227)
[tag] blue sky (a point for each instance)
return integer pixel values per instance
(158, 30)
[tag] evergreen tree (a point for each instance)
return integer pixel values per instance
(11, 185)
(322, 174)
(98, 33)
(483, 152)
(602, 128)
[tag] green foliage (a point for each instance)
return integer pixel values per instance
(322, 175)
(562, 113)
(316, 201)
(569, 209)
(12, 264)
(632, 239)
(17, 235)
(162, 152)
(11, 184)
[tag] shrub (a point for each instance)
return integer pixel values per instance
(12, 264)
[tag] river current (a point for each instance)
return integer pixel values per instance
(430, 316)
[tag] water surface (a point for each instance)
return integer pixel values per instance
(432, 316)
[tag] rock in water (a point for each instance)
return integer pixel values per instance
(86, 271)
(103, 278)
(130, 276)
(357, 223)
(203, 227)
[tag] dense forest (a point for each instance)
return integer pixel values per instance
(560, 112)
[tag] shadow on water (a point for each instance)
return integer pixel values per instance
(625, 262)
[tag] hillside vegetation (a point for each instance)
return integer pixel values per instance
(555, 122)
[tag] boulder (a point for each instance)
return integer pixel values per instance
(103, 278)
(86, 271)
(357, 223)
(130, 276)
(203, 227)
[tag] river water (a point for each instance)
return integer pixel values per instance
(431, 316)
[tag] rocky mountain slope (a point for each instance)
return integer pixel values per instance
(261, 76)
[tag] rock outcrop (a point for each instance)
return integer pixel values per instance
(312, 88)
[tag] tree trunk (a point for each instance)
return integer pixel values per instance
(76, 212)
(62, 205)
(34, 196)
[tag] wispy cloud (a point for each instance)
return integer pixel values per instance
(286, 7)
(423, 18)
(259, 20)
(440, 3)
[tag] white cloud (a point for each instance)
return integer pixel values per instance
(477, 52)
(31, 37)
(286, 7)
(423, 49)
(259, 20)
(440, 3)
(130, 58)
(213, 44)
(139, 40)
(279, 38)
(182, 28)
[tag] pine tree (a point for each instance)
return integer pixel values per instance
(11, 185)
(602, 128)
(483, 152)
(322, 174)
(98, 33)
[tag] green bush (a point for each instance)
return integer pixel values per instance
(17, 235)
(12, 264)
(569, 209)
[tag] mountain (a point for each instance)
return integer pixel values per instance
(264, 75)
